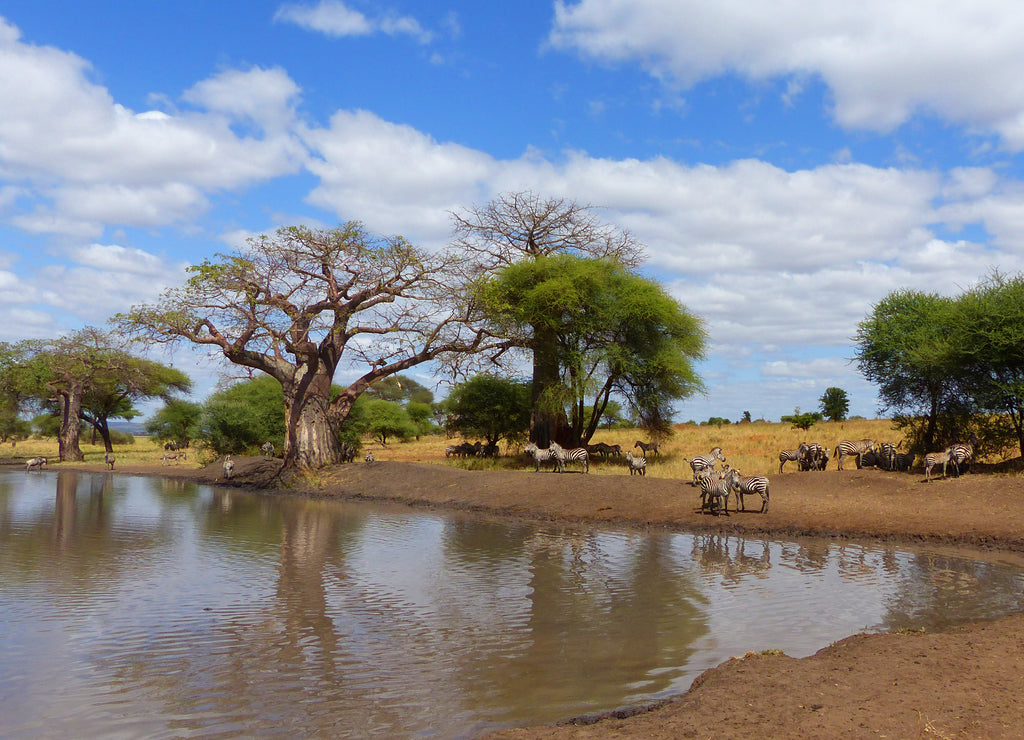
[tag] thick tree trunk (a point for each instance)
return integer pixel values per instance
(311, 439)
(70, 421)
(545, 425)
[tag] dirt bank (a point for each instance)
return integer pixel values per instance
(966, 682)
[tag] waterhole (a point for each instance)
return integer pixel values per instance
(139, 607)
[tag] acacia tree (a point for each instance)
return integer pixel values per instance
(523, 226)
(489, 406)
(834, 404)
(908, 347)
(297, 304)
(615, 332)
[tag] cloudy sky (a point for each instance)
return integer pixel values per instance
(786, 164)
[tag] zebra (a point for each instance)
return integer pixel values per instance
(887, 456)
(707, 461)
(647, 447)
(176, 456)
(960, 453)
(934, 458)
(846, 448)
(636, 464)
(540, 456)
(108, 460)
(750, 485)
(796, 456)
(604, 450)
(34, 463)
(267, 449)
(714, 490)
(576, 455)
(815, 457)
(369, 457)
(229, 467)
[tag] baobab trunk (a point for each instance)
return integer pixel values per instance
(311, 439)
(67, 437)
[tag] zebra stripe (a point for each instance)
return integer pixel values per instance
(539, 456)
(961, 453)
(636, 464)
(750, 485)
(648, 447)
(786, 456)
(934, 458)
(706, 462)
(575, 455)
(846, 448)
(714, 491)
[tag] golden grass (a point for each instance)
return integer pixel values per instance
(752, 448)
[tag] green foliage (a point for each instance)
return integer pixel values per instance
(612, 332)
(834, 404)
(715, 421)
(421, 415)
(178, 421)
(802, 421)
(12, 426)
(387, 420)
(243, 416)
(490, 407)
(400, 389)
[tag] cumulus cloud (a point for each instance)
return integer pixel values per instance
(90, 159)
(882, 62)
(335, 18)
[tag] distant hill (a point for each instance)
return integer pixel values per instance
(128, 427)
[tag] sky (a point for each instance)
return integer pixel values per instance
(786, 165)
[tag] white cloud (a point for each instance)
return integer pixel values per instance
(882, 61)
(335, 18)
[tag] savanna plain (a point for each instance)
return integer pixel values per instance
(965, 682)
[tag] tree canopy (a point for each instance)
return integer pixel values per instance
(299, 303)
(835, 404)
(489, 406)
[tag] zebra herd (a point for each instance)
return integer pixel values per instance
(871, 454)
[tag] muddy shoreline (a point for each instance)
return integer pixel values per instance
(963, 682)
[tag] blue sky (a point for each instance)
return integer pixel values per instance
(786, 164)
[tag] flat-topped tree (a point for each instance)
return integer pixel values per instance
(300, 303)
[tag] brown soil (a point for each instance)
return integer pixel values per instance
(966, 682)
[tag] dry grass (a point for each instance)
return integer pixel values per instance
(752, 448)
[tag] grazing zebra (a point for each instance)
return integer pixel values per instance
(176, 456)
(961, 453)
(815, 457)
(576, 455)
(706, 462)
(648, 448)
(904, 461)
(796, 456)
(714, 491)
(229, 467)
(886, 456)
(636, 464)
(846, 448)
(108, 460)
(604, 450)
(34, 463)
(750, 485)
(539, 456)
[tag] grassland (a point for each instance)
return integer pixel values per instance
(752, 448)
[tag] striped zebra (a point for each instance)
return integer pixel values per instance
(796, 456)
(706, 462)
(847, 448)
(961, 453)
(575, 455)
(886, 456)
(715, 488)
(934, 458)
(648, 448)
(750, 485)
(815, 458)
(636, 464)
(541, 456)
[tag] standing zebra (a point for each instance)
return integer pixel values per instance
(576, 455)
(750, 485)
(714, 490)
(796, 456)
(636, 464)
(961, 453)
(706, 462)
(846, 448)
(934, 458)
(539, 456)
(647, 447)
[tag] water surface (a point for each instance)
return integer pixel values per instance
(139, 607)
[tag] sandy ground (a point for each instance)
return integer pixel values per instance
(964, 683)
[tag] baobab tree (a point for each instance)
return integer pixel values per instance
(300, 303)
